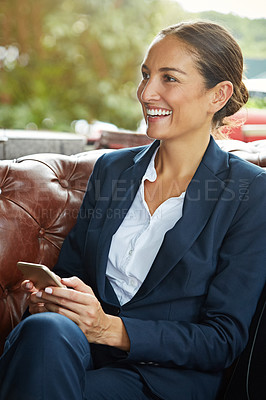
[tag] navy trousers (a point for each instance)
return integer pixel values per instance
(47, 357)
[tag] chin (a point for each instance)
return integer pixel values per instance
(152, 136)
(155, 134)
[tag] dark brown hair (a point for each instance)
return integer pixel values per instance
(218, 58)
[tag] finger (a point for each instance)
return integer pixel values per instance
(36, 297)
(76, 312)
(28, 286)
(63, 311)
(66, 296)
(77, 284)
(37, 308)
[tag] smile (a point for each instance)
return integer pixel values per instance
(151, 112)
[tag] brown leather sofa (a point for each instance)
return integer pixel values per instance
(40, 196)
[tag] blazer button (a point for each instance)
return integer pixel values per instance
(116, 311)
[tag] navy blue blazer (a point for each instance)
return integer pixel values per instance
(191, 316)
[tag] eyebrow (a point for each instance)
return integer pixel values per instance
(180, 71)
(167, 69)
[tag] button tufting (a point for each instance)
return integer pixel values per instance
(41, 232)
(63, 183)
(4, 293)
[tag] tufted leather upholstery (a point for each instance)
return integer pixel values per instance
(40, 196)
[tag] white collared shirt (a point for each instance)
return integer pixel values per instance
(137, 241)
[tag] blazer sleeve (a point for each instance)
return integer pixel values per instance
(70, 258)
(222, 332)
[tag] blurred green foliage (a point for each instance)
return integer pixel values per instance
(65, 60)
(257, 102)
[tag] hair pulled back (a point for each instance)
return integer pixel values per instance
(218, 58)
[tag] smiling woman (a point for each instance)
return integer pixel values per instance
(167, 251)
(191, 83)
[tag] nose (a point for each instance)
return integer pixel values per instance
(150, 91)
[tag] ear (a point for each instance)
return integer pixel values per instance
(221, 93)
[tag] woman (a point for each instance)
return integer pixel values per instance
(165, 250)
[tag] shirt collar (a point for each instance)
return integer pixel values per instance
(151, 173)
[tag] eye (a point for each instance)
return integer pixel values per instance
(145, 75)
(169, 78)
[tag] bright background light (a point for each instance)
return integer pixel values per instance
(244, 8)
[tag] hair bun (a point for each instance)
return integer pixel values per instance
(244, 92)
(238, 100)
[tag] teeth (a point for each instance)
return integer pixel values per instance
(154, 112)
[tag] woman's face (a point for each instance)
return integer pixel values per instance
(172, 93)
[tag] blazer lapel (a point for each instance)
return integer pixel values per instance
(201, 198)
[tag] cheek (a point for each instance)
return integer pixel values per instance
(139, 91)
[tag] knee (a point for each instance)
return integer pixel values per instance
(39, 328)
(45, 324)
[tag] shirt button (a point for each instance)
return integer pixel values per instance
(130, 252)
(133, 282)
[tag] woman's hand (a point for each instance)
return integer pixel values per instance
(83, 308)
(34, 306)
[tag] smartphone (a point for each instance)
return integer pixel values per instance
(39, 274)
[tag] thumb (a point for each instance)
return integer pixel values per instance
(77, 284)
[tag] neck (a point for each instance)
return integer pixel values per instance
(181, 158)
